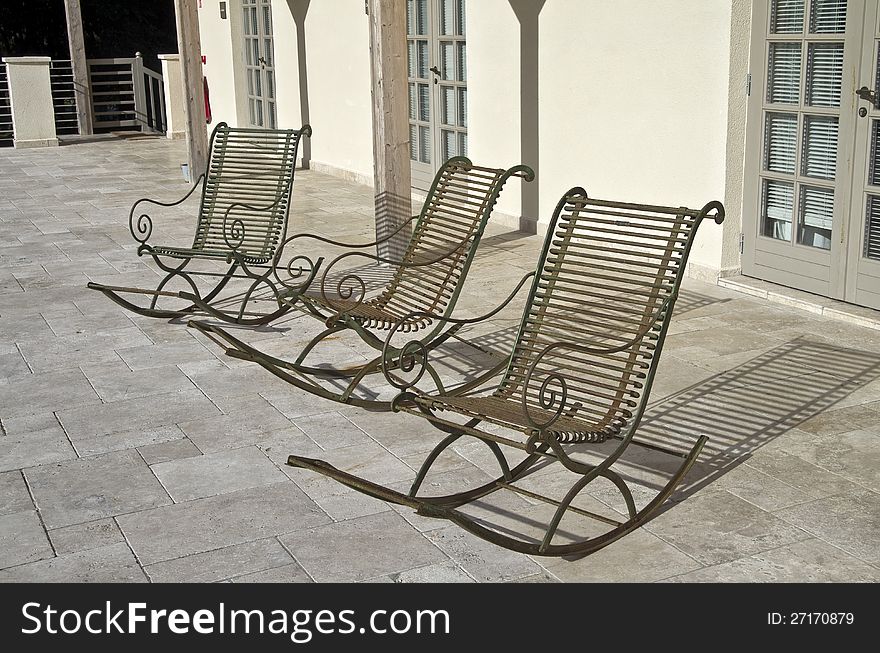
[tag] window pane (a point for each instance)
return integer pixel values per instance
(778, 209)
(784, 73)
(422, 68)
(824, 74)
(267, 20)
(872, 229)
(780, 143)
(259, 112)
(817, 213)
(787, 17)
(448, 145)
(421, 17)
(270, 84)
(447, 18)
(462, 23)
(411, 58)
(412, 101)
(424, 98)
(447, 105)
(462, 62)
(462, 144)
(874, 172)
(267, 48)
(446, 65)
(424, 145)
(462, 107)
(410, 17)
(820, 146)
(413, 143)
(828, 17)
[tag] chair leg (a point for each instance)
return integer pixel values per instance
(446, 507)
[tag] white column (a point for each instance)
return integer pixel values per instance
(175, 111)
(30, 96)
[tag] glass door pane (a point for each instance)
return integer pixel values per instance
(259, 63)
(805, 61)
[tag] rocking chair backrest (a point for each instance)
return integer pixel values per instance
(607, 282)
(247, 188)
(446, 236)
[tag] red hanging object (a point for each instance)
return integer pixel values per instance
(207, 102)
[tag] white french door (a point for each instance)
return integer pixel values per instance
(808, 201)
(437, 61)
(259, 54)
(863, 257)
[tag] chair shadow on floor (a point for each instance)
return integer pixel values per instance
(749, 406)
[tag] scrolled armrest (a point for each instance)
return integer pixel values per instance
(142, 228)
(555, 399)
(414, 352)
(336, 243)
(234, 233)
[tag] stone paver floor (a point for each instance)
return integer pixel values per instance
(134, 450)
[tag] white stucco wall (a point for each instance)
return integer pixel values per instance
(634, 100)
(221, 68)
(632, 97)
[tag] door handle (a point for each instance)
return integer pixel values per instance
(867, 95)
(435, 70)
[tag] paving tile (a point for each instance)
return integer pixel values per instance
(292, 573)
(83, 490)
(22, 539)
(14, 495)
(219, 521)
(248, 420)
(47, 354)
(108, 564)
(171, 450)
(332, 430)
(45, 392)
(810, 561)
(367, 547)
(12, 366)
(483, 560)
(217, 381)
(151, 356)
(220, 564)
(116, 382)
(716, 527)
(217, 473)
(850, 522)
(446, 572)
(86, 536)
(132, 414)
(40, 447)
(93, 445)
(640, 557)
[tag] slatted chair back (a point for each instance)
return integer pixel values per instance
(247, 189)
(607, 281)
(445, 237)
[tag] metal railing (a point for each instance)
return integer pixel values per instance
(6, 136)
(63, 97)
(126, 95)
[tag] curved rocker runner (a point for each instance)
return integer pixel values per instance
(579, 374)
(428, 279)
(242, 225)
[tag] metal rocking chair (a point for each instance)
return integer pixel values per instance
(579, 375)
(245, 203)
(427, 279)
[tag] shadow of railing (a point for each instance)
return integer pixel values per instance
(747, 407)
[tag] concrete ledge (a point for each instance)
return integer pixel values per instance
(28, 61)
(36, 142)
(815, 304)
